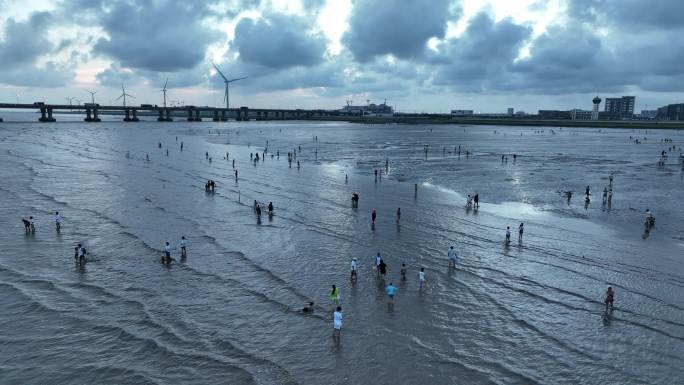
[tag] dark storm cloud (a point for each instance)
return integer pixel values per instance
(154, 35)
(23, 42)
(481, 56)
(279, 41)
(397, 27)
(234, 7)
(264, 79)
(114, 76)
(575, 57)
(565, 59)
(51, 75)
(657, 14)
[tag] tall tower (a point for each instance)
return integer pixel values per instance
(595, 111)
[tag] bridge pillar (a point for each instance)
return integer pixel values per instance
(88, 118)
(265, 115)
(197, 116)
(42, 115)
(258, 113)
(216, 116)
(245, 113)
(161, 115)
(96, 117)
(190, 118)
(127, 115)
(135, 116)
(168, 116)
(50, 118)
(223, 116)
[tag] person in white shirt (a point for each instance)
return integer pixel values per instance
(337, 323)
(378, 259)
(354, 266)
(508, 234)
(421, 278)
(167, 253)
(58, 220)
(184, 251)
(452, 254)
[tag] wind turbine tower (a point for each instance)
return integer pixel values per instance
(92, 96)
(164, 91)
(227, 81)
(123, 95)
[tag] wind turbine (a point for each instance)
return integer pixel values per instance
(227, 81)
(123, 95)
(92, 96)
(68, 99)
(164, 91)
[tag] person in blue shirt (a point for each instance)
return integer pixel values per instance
(391, 290)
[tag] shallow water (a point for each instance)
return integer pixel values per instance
(528, 313)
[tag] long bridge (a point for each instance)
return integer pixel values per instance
(92, 112)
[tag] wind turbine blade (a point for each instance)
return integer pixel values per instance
(225, 95)
(167, 82)
(120, 96)
(220, 73)
(236, 79)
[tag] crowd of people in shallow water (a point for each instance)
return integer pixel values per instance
(379, 265)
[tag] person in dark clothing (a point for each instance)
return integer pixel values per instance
(382, 267)
(308, 308)
(610, 294)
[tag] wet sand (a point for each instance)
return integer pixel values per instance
(529, 313)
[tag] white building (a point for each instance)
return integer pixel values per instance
(577, 114)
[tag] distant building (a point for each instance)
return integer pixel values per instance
(648, 114)
(372, 109)
(620, 108)
(671, 112)
(510, 111)
(577, 114)
(455, 113)
(554, 114)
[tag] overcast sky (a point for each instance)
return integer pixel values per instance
(419, 55)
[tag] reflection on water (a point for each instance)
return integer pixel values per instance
(528, 312)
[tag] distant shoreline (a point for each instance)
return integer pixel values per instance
(627, 124)
(437, 120)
